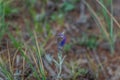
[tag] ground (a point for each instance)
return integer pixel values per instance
(88, 53)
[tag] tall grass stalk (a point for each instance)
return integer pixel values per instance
(39, 56)
(109, 22)
(38, 68)
(2, 18)
(5, 71)
(37, 73)
(107, 28)
(116, 22)
(3, 68)
(27, 59)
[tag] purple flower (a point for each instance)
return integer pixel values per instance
(61, 39)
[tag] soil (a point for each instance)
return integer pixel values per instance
(99, 62)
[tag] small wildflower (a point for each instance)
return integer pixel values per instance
(61, 39)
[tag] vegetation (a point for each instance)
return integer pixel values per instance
(33, 47)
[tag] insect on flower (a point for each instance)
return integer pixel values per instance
(61, 39)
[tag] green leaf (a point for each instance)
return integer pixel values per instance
(66, 6)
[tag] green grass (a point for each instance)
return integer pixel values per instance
(106, 26)
(2, 19)
(5, 71)
(38, 68)
(88, 41)
(6, 10)
(3, 29)
(39, 55)
(32, 51)
(109, 22)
